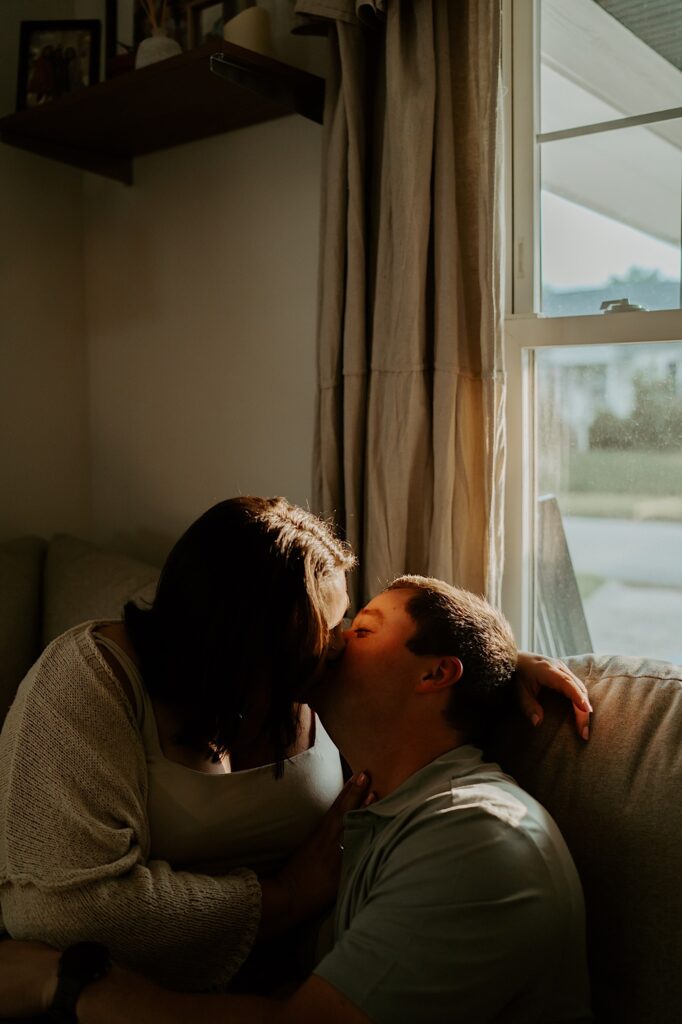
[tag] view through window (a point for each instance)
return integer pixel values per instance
(609, 429)
(610, 153)
(606, 450)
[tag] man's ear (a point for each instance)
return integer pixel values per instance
(442, 673)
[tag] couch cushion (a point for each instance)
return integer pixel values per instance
(85, 582)
(21, 572)
(617, 801)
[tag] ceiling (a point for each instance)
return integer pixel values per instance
(658, 23)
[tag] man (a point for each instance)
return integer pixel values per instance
(459, 901)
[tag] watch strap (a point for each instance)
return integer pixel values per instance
(79, 966)
(63, 1007)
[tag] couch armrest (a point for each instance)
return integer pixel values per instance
(616, 799)
(21, 576)
(86, 582)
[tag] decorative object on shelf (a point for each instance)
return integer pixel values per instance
(250, 29)
(104, 129)
(206, 19)
(136, 26)
(56, 58)
(159, 45)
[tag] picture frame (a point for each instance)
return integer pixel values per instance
(110, 32)
(56, 59)
(106, 12)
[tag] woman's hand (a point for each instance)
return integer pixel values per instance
(28, 977)
(533, 671)
(308, 882)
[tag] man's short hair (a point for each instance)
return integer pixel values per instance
(455, 622)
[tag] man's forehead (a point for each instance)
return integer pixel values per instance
(387, 601)
(368, 610)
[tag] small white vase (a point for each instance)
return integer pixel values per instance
(156, 47)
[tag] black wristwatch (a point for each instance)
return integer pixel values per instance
(79, 965)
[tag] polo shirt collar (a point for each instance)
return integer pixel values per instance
(461, 762)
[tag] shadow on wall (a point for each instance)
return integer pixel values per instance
(147, 545)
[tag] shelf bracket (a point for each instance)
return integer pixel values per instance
(285, 93)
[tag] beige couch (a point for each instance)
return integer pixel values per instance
(45, 588)
(616, 799)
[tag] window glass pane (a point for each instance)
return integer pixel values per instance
(568, 105)
(608, 59)
(608, 457)
(610, 216)
(610, 200)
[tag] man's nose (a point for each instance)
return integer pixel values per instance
(337, 641)
(344, 629)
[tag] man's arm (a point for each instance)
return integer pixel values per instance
(123, 998)
(28, 978)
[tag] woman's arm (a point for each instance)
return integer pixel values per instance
(75, 838)
(307, 884)
(73, 863)
(534, 671)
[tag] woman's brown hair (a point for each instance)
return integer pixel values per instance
(238, 620)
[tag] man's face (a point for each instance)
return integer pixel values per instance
(376, 668)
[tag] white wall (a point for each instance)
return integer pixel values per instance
(44, 459)
(201, 305)
(157, 342)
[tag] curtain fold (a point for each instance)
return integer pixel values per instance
(409, 451)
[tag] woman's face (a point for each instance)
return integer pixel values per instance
(335, 605)
(335, 598)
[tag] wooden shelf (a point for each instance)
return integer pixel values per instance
(103, 128)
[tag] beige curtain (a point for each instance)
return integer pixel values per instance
(410, 432)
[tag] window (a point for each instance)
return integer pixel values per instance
(594, 336)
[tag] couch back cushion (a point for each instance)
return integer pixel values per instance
(617, 800)
(85, 582)
(21, 575)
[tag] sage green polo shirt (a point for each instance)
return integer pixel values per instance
(459, 902)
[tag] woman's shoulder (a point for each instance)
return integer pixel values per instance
(113, 644)
(69, 720)
(72, 678)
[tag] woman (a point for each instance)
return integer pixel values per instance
(144, 763)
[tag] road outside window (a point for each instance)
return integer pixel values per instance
(609, 449)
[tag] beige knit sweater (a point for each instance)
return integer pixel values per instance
(74, 836)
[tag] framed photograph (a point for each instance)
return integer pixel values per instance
(110, 31)
(56, 58)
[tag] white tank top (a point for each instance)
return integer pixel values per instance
(237, 819)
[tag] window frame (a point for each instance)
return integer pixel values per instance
(524, 328)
